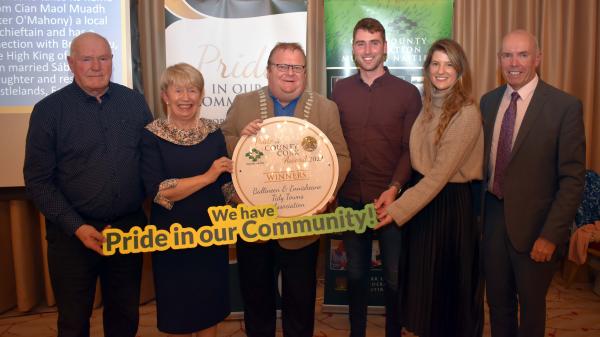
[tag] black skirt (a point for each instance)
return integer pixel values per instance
(441, 288)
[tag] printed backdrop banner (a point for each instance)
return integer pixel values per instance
(229, 42)
(411, 26)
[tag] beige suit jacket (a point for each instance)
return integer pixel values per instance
(324, 115)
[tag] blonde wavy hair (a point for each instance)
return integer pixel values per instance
(460, 94)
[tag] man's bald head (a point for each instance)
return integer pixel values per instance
(90, 61)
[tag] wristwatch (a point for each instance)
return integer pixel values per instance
(397, 185)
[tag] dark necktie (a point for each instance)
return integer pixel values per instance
(505, 145)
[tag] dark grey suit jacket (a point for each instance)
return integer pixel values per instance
(545, 177)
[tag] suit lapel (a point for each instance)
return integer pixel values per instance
(299, 109)
(270, 108)
(489, 119)
(534, 111)
(270, 104)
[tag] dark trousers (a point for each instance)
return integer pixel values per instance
(258, 264)
(74, 270)
(358, 249)
(513, 280)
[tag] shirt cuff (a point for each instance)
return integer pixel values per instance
(160, 199)
(71, 222)
(228, 190)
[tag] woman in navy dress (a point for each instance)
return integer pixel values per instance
(185, 170)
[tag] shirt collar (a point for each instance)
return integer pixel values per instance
(526, 91)
(280, 110)
(87, 96)
(385, 75)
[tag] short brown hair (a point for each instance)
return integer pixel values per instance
(292, 46)
(371, 25)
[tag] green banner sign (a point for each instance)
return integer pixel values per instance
(411, 26)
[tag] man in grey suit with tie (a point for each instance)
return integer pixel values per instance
(534, 177)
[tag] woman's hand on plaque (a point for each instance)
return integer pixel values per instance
(382, 215)
(219, 166)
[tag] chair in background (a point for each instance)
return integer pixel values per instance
(585, 239)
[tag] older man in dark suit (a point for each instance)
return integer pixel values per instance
(535, 156)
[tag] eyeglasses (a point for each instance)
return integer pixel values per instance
(283, 68)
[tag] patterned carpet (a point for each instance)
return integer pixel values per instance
(572, 312)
